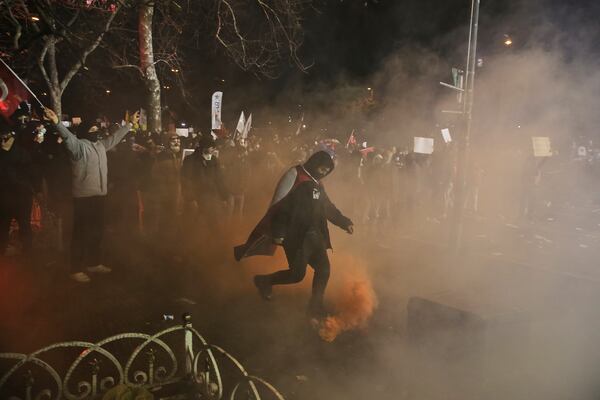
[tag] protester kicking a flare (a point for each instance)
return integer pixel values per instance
(89, 170)
(297, 220)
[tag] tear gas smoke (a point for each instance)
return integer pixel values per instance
(354, 307)
(353, 299)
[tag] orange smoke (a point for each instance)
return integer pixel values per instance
(354, 302)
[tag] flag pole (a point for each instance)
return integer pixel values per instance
(23, 83)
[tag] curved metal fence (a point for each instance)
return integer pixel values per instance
(175, 363)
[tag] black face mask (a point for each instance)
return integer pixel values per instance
(91, 136)
(318, 176)
(320, 158)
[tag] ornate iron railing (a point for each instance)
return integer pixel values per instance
(84, 370)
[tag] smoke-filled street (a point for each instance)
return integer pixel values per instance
(299, 200)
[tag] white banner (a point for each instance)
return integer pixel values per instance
(247, 127)
(182, 132)
(240, 125)
(217, 100)
(541, 146)
(446, 135)
(186, 152)
(423, 145)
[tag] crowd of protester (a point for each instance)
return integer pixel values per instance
(75, 181)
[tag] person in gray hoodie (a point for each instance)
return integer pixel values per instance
(89, 188)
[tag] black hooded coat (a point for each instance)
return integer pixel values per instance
(299, 204)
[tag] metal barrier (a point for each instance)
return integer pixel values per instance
(83, 370)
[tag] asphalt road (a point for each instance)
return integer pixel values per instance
(537, 283)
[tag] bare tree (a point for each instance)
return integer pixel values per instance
(257, 35)
(57, 36)
(153, 53)
(147, 66)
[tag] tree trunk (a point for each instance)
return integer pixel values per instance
(54, 85)
(147, 65)
(56, 103)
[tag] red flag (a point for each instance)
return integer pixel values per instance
(12, 91)
(351, 140)
(366, 151)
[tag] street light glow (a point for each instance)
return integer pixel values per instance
(35, 18)
(507, 40)
(107, 91)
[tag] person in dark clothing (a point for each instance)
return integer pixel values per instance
(202, 180)
(297, 220)
(18, 184)
(57, 176)
(124, 170)
(162, 194)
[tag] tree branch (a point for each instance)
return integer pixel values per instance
(40, 62)
(17, 25)
(75, 68)
(136, 67)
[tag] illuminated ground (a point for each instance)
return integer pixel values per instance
(534, 280)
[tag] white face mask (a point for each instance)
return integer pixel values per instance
(207, 157)
(39, 135)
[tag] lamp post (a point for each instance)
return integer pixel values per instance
(462, 163)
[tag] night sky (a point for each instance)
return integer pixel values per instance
(351, 39)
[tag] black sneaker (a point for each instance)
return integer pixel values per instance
(264, 287)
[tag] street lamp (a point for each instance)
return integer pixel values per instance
(507, 41)
(107, 91)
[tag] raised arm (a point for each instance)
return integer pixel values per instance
(73, 144)
(114, 139)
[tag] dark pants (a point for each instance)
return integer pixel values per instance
(18, 207)
(88, 226)
(314, 253)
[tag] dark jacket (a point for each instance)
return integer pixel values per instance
(202, 180)
(306, 207)
(299, 205)
(18, 174)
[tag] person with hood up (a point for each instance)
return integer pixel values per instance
(89, 188)
(297, 220)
